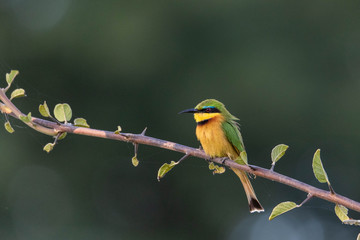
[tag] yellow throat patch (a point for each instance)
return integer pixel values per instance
(199, 117)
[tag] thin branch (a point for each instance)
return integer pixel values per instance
(183, 158)
(309, 196)
(272, 167)
(258, 171)
(189, 151)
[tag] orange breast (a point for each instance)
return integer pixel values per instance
(213, 139)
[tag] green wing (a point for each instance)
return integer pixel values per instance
(232, 132)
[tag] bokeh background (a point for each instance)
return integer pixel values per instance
(288, 69)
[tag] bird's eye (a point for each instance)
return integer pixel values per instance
(208, 110)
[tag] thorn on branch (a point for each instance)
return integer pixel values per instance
(143, 132)
(331, 189)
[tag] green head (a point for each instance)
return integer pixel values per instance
(208, 109)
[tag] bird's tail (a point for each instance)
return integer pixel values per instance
(254, 204)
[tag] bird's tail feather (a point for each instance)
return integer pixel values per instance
(254, 204)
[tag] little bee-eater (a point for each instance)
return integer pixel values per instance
(219, 135)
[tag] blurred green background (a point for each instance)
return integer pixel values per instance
(288, 69)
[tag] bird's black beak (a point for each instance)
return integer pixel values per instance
(191, 110)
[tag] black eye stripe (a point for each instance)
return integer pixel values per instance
(210, 110)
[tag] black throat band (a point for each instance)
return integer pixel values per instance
(203, 122)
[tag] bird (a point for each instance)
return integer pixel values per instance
(219, 134)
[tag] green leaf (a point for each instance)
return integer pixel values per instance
(135, 161)
(165, 168)
(81, 122)
(216, 169)
(341, 212)
(219, 170)
(26, 119)
(62, 136)
(17, 93)
(11, 76)
(48, 147)
(318, 168)
(8, 127)
(277, 152)
(118, 130)
(44, 110)
(352, 222)
(62, 112)
(282, 208)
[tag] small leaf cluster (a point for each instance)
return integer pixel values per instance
(17, 93)
(62, 114)
(216, 169)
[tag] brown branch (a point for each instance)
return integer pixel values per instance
(52, 127)
(258, 171)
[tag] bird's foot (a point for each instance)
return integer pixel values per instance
(223, 160)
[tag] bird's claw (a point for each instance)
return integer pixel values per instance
(223, 160)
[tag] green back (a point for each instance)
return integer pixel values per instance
(231, 130)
